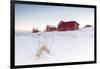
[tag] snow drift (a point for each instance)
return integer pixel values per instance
(69, 46)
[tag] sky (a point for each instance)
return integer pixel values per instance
(32, 16)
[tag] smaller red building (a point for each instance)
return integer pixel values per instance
(70, 25)
(35, 30)
(50, 28)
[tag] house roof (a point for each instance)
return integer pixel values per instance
(51, 25)
(68, 22)
(35, 29)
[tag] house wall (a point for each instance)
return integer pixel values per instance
(76, 26)
(48, 29)
(67, 26)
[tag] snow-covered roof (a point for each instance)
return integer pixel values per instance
(68, 22)
(35, 28)
(51, 25)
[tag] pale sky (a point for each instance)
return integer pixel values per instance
(38, 16)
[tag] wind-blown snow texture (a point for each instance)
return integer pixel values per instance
(69, 46)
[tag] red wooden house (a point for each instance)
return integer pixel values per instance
(70, 25)
(50, 28)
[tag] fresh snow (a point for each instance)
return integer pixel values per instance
(69, 46)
